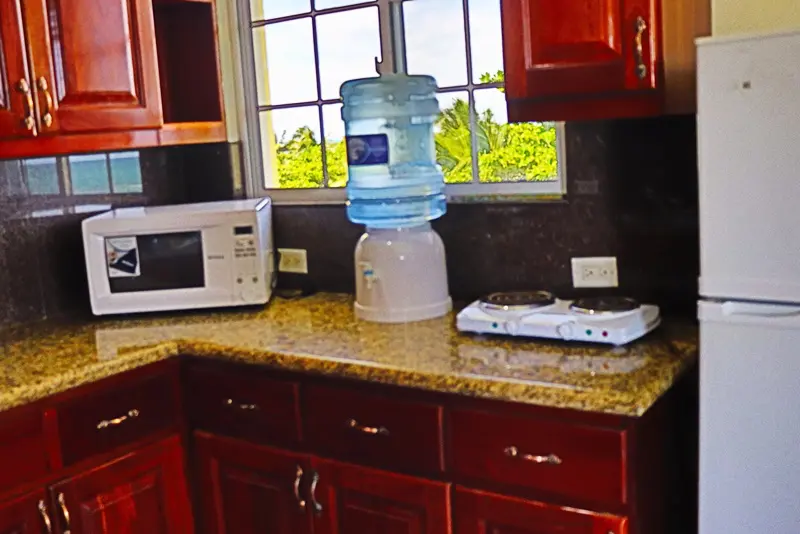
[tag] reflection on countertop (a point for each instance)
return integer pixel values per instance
(320, 334)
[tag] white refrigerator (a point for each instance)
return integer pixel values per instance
(749, 162)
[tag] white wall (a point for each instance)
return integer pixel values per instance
(754, 16)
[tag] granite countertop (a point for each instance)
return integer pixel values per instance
(319, 334)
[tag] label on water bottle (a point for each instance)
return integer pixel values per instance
(367, 149)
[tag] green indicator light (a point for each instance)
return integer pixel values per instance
(588, 332)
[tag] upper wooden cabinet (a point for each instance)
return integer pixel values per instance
(16, 99)
(592, 59)
(91, 75)
(94, 64)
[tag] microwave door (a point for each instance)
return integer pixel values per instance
(155, 262)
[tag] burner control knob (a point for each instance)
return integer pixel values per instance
(566, 331)
(512, 327)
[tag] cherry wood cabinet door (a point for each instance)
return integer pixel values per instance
(25, 515)
(478, 512)
(141, 493)
(16, 100)
(95, 64)
(348, 499)
(251, 489)
(572, 49)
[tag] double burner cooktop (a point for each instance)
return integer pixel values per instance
(612, 320)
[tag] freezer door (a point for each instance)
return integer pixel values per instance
(749, 418)
(749, 159)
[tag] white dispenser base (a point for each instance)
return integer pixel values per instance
(401, 275)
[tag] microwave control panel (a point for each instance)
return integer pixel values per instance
(248, 283)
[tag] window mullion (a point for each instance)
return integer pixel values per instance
(323, 147)
(386, 64)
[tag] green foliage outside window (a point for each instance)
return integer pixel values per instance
(506, 152)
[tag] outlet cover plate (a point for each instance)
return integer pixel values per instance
(293, 260)
(595, 272)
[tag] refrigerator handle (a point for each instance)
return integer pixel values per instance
(760, 310)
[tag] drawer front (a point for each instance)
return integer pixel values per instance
(374, 429)
(99, 422)
(246, 406)
(23, 453)
(558, 458)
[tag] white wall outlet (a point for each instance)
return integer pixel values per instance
(293, 260)
(595, 272)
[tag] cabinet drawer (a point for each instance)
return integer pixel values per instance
(23, 454)
(374, 429)
(240, 405)
(554, 457)
(99, 422)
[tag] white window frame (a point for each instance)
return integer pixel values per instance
(239, 46)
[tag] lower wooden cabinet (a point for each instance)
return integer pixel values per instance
(478, 512)
(141, 493)
(253, 489)
(25, 515)
(358, 500)
(250, 489)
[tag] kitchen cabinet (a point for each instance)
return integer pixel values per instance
(91, 75)
(250, 489)
(594, 59)
(141, 493)
(478, 512)
(349, 499)
(25, 515)
(17, 117)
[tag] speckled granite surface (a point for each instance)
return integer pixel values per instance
(320, 335)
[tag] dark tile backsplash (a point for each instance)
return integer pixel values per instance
(632, 192)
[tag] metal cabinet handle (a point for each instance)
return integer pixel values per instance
(373, 430)
(48, 525)
(47, 118)
(641, 68)
(550, 459)
(25, 88)
(245, 407)
(298, 478)
(315, 506)
(64, 513)
(118, 421)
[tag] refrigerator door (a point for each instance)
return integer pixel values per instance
(749, 418)
(749, 160)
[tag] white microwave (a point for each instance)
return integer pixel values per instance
(207, 255)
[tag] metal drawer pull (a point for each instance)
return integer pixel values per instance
(25, 88)
(45, 516)
(64, 513)
(374, 430)
(641, 68)
(245, 407)
(47, 118)
(297, 479)
(118, 421)
(551, 459)
(317, 507)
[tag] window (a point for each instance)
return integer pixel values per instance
(303, 50)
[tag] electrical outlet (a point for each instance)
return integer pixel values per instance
(293, 260)
(595, 272)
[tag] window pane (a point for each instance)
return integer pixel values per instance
(284, 57)
(42, 176)
(270, 9)
(487, 40)
(335, 145)
(326, 4)
(512, 152)
(295, 157)
(453, 144)
(89, 174)
(349, 42)
(126, 173)
(435, 40)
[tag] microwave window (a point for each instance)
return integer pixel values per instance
(155, 262)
